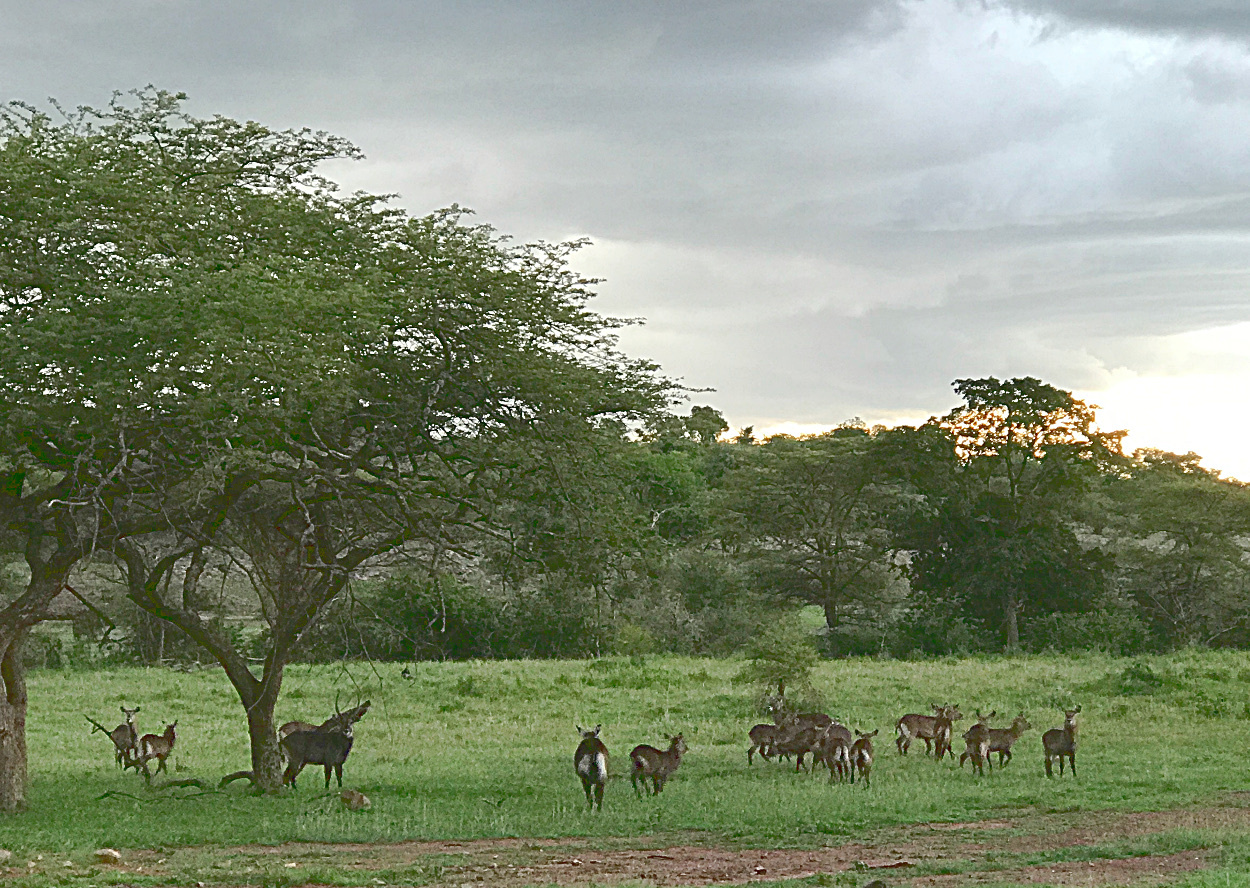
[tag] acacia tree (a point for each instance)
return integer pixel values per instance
(300, 380)
(1182, 534)
(809, 513)
(997, 537)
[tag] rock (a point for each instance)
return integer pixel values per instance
(108, 855)
(5, 854)
(355, 801)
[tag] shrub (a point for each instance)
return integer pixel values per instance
(781, 656)
(1118, 630)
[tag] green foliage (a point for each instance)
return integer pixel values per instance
(1180, 534)
(1116, 630)
(781, 656)
(411, 617)
(997, 538)
(809, 516)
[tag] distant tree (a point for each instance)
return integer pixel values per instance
(809, 513)
(997, 535)
(1183, 547)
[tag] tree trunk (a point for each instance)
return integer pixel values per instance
(831, 615)
(267, 759)
(1013, 625)
(13, 767)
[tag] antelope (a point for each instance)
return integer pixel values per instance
(335, 722)
(125, 737)
(763, 741)
(833, 749)
(1002, 739)
(1061, 742)
(799, 740)
(945, 726)
(658, 765)
(591, 763)
(327, 747)
(861, 756)
(154, 746)
(928, 728)
(783, 718)
(977, 743)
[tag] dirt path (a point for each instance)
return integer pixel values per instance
(917, 855)
(893, 855)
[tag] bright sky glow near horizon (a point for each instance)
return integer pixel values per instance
(824, 209)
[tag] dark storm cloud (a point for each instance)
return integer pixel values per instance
(823, 209)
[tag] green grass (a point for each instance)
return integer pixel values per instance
(473, 750)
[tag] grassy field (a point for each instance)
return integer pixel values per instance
(483, 750)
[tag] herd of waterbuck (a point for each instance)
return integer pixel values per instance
(327, 744)
(833, 745)
(847, 755)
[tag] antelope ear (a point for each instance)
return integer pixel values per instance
(1078, 707)
(598, 728)
(579, 730)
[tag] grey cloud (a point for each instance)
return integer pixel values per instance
(1226, 18)
(824, 209)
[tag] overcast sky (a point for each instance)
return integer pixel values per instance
(823, 210)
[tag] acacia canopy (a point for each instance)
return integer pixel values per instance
(198, 332)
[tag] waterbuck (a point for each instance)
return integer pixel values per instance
(977, 743)
(328, 748)
(1060, 743)
(799, 741)
(155, 746)
(657, 765)
(833, 749)
(1002, 739)
(785, 717)
(914, 726)
(861, 757)
(125, 737)
(763, 739)
(591, 763)
(337, 721)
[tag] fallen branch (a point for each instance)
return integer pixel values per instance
(190, 781)
(237, 775)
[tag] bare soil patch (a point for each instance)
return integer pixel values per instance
(696, 860)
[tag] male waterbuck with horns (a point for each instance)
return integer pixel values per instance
(591, 763)
(327, 744)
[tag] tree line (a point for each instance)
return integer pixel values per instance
(1011, 523)
(227, 387)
